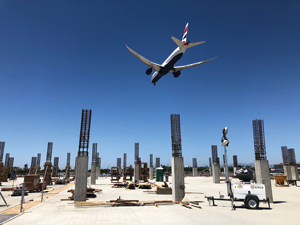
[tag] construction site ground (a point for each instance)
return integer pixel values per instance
(284, 210)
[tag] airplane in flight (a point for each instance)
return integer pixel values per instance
(168, 64)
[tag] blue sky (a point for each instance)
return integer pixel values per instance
(59, 57)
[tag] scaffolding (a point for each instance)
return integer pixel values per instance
(144, 173)
(259, 139)
(176, 135)
(127, 173)
(84, 132)
(115, 175)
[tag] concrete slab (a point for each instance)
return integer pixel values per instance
(13, 201)
(53, 211)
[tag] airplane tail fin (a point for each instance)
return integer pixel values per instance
(184, 37)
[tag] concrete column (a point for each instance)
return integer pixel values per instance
(234, 170)
(81, 178)
(195, 172)
(97, 172)
(93, 174)
(178, 188)
(288, 172)
(210, 171)
(136, 176)
(294, 172)
(216, 173)
(150, 173)
(225, 171)
(120, 172)
(263, 176)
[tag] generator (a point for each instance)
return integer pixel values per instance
(249, 193)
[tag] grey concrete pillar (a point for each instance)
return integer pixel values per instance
(195, 172)
(178, 188)
(216, 173)
(93, 174)
(234, 170)
(150, 173)
(263, 176)
(136, 175)
(210, 171)
(97, 172)
(119, 170)
(294, 172)
(288, 172)
(81, 178)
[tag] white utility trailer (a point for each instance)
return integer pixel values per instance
(249, 193)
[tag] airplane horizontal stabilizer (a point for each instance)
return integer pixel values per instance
(178, 68)
(152, 65)
(178, 42)
(195, 43)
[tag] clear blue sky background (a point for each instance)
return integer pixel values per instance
(59, 57)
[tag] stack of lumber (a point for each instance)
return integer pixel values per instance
(7, 189)
(89, 191)
(122, 202)
(120, 185)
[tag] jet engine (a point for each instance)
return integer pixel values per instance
(176, 74)
(149, 71)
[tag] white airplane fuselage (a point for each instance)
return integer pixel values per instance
(169, 63)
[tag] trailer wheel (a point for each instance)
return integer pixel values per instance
(252, 202)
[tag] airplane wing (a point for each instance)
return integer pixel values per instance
(178, 68)
(152, 65)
